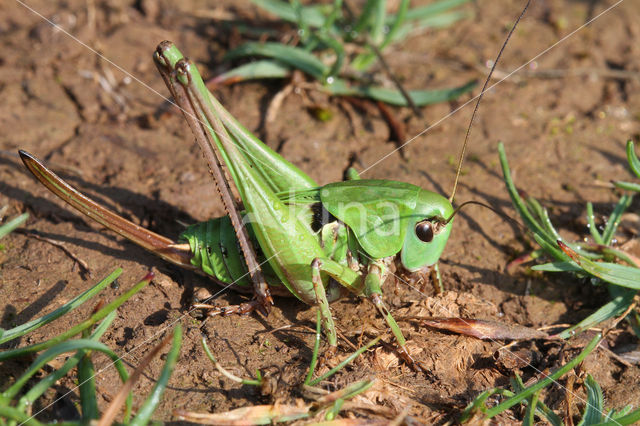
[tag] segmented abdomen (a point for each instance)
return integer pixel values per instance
(216, 251)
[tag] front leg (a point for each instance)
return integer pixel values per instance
(373, 290)
(370, 286)
(323, 305)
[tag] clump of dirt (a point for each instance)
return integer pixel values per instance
(564, 120)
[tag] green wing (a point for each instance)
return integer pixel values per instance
(377, 211)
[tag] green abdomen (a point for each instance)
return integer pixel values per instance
(216, 251)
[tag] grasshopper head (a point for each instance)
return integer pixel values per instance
(428, 231)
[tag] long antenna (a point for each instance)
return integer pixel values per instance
(475, 110)
(493, 209)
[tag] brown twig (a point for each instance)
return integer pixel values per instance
(276, 103)
(396, 82)
(110, 414)
(32, 234)
(569, 399)
(619, 318)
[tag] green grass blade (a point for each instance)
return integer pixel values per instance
(394, 97)
(628, 419)
(433, 9)
(304, 31)
(262, 69)
(541, 407)
(346, 361)
(557, 267)
(355, 389)
(621, 412)
(289, 55)
(593, 229)
(614, 273)
(334, 14)
(41, 387)
(376, 30)
(80, 327)
(86, 378)
(543, 216)
(552, 249)
(227, 374)
(634, 163)
(546, 240)
(313, 15)
(7, 335)
(548, 413)
(594, 410)
(520, 206)
(11, 413)
(492, 412)
(478, 403)
(13, 224)
(615, 217)
(432, 22)
(628, 186)
(439, 21)
(149, 406)
(316, 348)
(532, 405)
(365, 59)
(44, 358)
(396, 23)
(613, 308)
(366, 17)
(338, 50)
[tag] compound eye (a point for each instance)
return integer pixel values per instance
(424, 231)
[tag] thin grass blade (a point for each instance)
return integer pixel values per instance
(622, 298)
(492, 412)
(615, 217)
(593, 229)
(262, 69)
(44, 358)
(433, 9)
(345, 362)
(21, 330)
(313, 15)
(532, 405)
(542, 409)
(627, 419)
(542, 236)
(227, 374)
(634, 163)
(628, 186)
(293, 56)
(114, 407)
(614, 273)
(41, 387)
(149, 406)
(86, 377)
(346, 393)
(102, 313)
(557, 267)
(395, 97)
(11, 413)
(594, 409)
(13, 224)
(478, 404)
